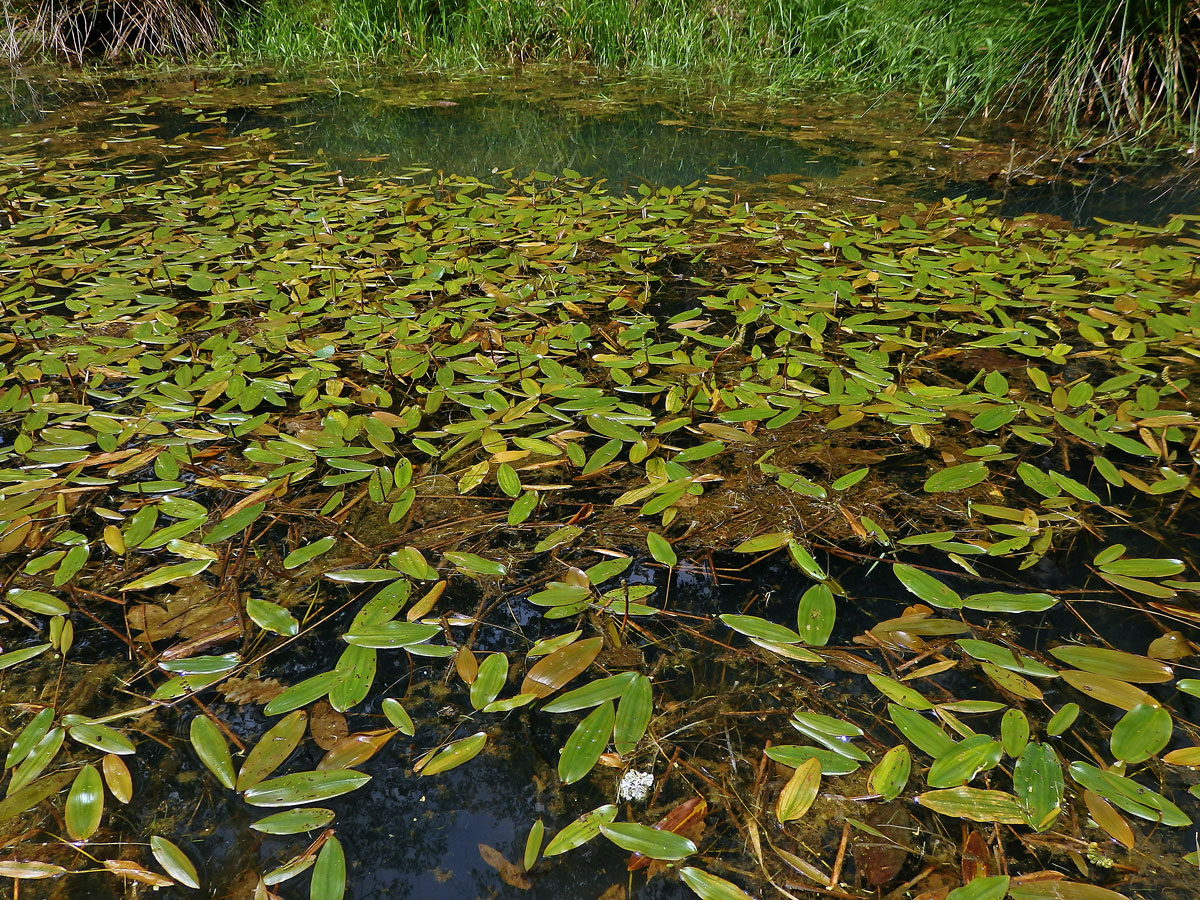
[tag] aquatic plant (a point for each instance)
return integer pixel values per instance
(249, 404)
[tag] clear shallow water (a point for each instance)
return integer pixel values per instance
(850, 156)
(413, 837)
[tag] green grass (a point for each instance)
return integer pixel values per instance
(1126, 67)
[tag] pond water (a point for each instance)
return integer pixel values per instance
(321, 396)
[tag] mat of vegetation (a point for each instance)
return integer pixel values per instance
(248, 405)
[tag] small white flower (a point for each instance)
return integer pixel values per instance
(635, 785)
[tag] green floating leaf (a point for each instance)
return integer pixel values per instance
(168, 574)
(272, 749)
(305, 787)
(302, 693)
(175, 862)
(755, 627)
(592, 694)
(956, 478)
(1002, 602)
(233, 525)
(272, 617)
(763, 543)
(16, 657)
(1038, 784)
(922, 733)
(390, 635)
(582, 830)
(398, 716)
(103, 738)
(455, 754)
(37, 602)
(1115, 664)
(210, 746)
(585, 744)
(660, 549)
(989, 887)
(651, 842)
(971, 756)
(202, 665)
(329, 874)
(926, 587)
(710, 887)
(1127, 794)
(85, 804)
(816, 615)
(633, 715)
(975, 804)
(477, 565)
(533, 844)
(890, 775)
(1141, 734)
(294, 821)
(302, 555)
(490, 680)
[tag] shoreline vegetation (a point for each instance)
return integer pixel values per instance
(1122, 72)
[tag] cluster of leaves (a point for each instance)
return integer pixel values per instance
(244, 350)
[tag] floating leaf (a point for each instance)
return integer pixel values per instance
(710, 887)
(305, 787)
(555, 670)
(592, 694)
(398, 716)
(455, 754)
(175, 862)
(816, 615)
(926, 587)
(490, 679)
(117, 778)
(533, 844)
(233, 525)
(1002, 602)
(798, 794)
(272, 617)
(272, 749)
(210, 746)
(582, 830)
(660, 549)
(477, 565)
(1114, 664)
(168, 574)
(1141, 734)
(763, 543)
(103, 738)
(651, 842)
(975, 804)
(37, 602)
(585, 744)
(294, 821)
(633, 715)
(956, 478)
(329, 873)
(891, 773)
(755, 627)
(308, 553)
(85, 804)
(992, 887)
(1038, 783)
(1127, 794)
